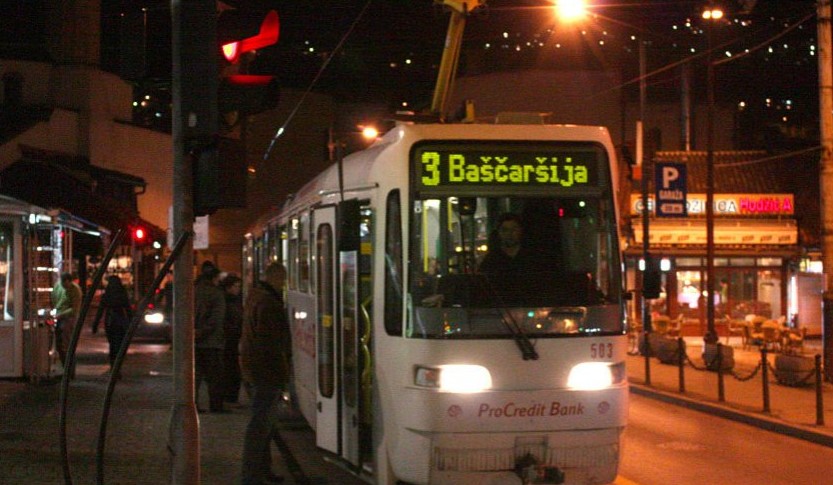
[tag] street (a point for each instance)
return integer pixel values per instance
(671, 444)
(663, 443)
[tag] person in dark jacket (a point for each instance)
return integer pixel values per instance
(232, 329)
(209, 313)
(115, 305)
(265, 354)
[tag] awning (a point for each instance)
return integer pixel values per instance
(727, 233)
(72, 186)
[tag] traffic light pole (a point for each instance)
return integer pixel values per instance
(194, 87)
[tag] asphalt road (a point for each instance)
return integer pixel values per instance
(671, 444)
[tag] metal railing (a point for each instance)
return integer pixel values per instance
(785, 377)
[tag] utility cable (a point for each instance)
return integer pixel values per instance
(768, 159)
(708, 52)
(70, 363)
(314, 81)
(115, 370)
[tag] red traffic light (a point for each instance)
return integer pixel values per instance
(139, 234)
(268, 35)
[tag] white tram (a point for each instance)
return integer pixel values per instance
(410, 364)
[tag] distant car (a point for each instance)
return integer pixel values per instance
(154, 326)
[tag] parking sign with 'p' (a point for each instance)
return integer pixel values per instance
(670, 184)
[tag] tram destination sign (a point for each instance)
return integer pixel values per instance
(529, 165)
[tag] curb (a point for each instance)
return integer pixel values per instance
(726, 412)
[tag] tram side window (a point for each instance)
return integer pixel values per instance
(393, 265)
(292, 253)
(326, 330)
(6, 269)
(303, 256)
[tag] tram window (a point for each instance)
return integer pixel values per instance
(303, 255)
(7, 265)
(292, 253)
(468, 273)
(393, 265)
(326, 329)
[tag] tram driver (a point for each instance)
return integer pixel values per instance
(508, 266)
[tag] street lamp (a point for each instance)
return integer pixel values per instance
(571, 9)
(711, 14)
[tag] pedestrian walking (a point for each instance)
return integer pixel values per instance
(232, 286)
(115, 305)
(66, 301)
(265, 354)
(209, 313)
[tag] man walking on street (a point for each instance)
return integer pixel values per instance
(66, 300)
(209, 342)
(265, 363)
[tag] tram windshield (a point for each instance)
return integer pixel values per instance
(493, 266)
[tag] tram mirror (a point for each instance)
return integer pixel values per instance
(467, 206)
(349, 220)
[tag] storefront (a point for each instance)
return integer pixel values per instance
(756, 261)
(36, 245)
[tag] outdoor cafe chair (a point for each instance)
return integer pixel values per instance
(771, 335)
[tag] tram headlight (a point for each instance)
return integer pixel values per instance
(589, 376)
(454, 378)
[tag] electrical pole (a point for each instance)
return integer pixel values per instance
(826, 176)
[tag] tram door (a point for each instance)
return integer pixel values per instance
(326, 425)
(339, 330)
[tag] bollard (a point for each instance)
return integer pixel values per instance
(647, 358)
(765, 377)
(681, 362)
(721, 387)
(819, 396)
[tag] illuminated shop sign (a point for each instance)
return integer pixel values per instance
(729, 204)
(522, 165)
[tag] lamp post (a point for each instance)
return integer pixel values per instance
(711, 14)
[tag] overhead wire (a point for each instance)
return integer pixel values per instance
(707, 52)
(321, 70)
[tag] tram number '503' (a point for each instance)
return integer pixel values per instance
(601, 351)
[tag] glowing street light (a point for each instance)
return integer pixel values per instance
(571, 9)
(713, 14)
(370, 133)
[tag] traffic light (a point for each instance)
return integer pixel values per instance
(140, 236)
(651, 279)
(240, 34)
(219, 168)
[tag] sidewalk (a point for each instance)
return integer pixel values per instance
(137, 432)
(793, 410)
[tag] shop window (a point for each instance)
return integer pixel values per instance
(689, 262)
(770, 262)
(742, 262)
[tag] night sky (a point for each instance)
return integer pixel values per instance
(392, 55)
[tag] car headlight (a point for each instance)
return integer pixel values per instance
(154, 318)
(454, 378)
(589, 376)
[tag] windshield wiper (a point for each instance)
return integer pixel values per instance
(521, 339)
